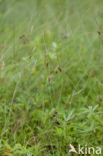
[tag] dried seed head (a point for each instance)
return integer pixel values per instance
(49, 79)
(22, 36)
(47, 64)
(59, 68)
(99, 33)
(26, 41)
(55, 114)
(42, 126)
(57, 122)
(94, 73)
(56, 71)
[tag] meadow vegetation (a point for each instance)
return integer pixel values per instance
(51, 76)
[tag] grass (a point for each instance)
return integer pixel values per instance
(51, 76)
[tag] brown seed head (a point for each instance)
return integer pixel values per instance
(22, 36)
(55, 114)
(49, 79)
(26, 41)
(99, 33)
(57, 122)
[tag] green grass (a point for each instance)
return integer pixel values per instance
(51, 76)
